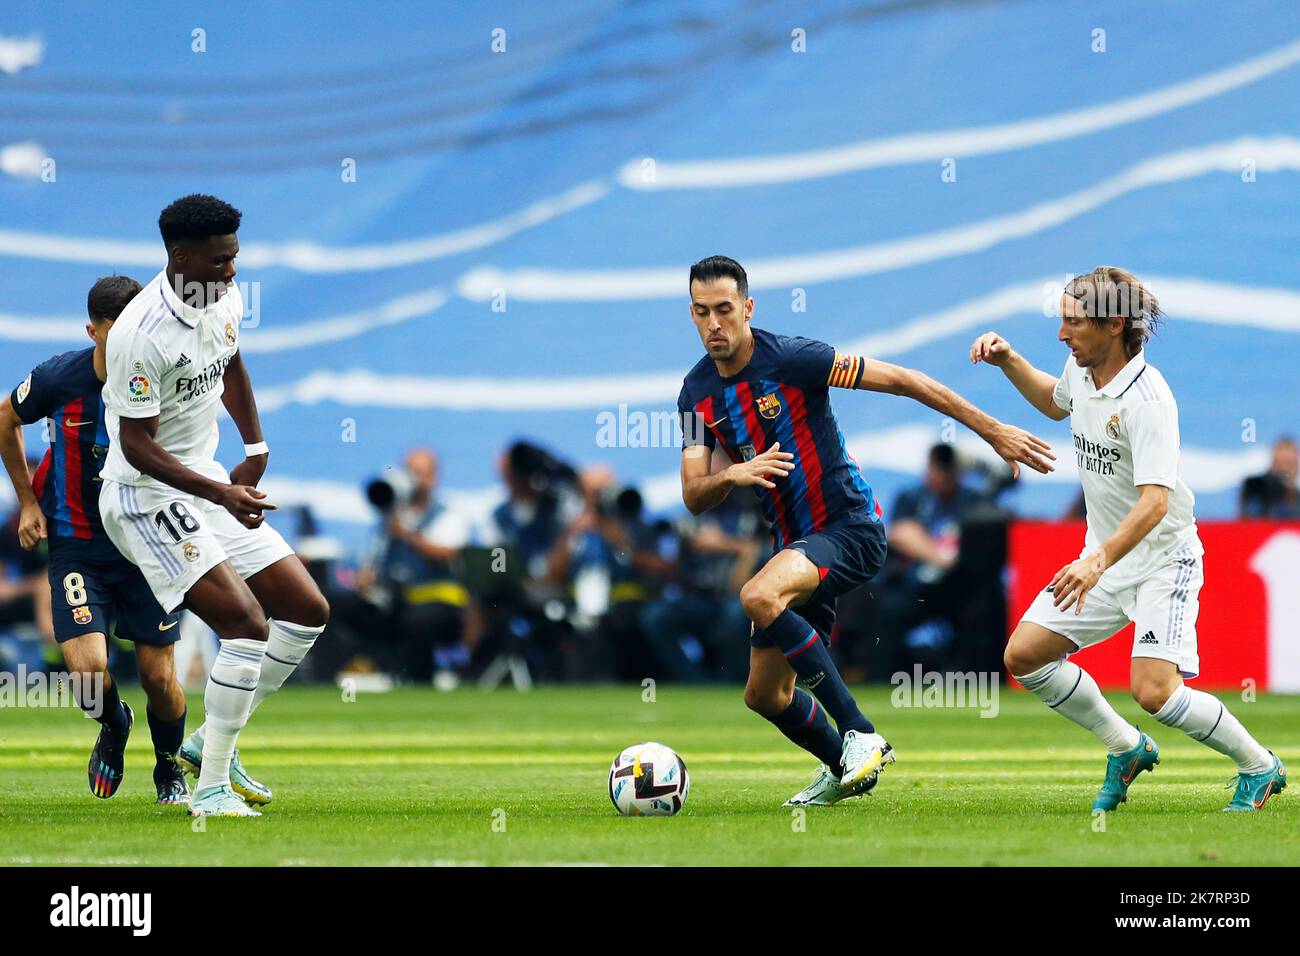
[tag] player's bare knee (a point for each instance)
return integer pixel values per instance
(761, 602)
(87, 661)
(1151, 695)
(765, 700)
(248, 623)
(317, 613)
(1019, 659)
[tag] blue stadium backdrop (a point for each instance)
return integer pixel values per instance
(532, 181)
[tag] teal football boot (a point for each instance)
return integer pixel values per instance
(1254, 789)
(190, 759)
(1122, 770)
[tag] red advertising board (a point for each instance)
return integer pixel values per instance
(1249, 624)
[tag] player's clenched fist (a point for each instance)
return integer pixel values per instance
(992, 348)
(760, 469)
(31, 526)
(247, 504)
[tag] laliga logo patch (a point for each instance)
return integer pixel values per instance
(1112, 426)
(190, 550)
(747, 452)
(138, 387)
(24, 389)
(230, 334)
(769, 406)
(81, 614)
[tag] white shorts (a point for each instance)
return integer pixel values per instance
(1163, 609)
(175, 538)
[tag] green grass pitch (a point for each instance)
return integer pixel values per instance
(418, 777)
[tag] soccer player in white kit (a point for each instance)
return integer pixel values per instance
(1141, 560)
(198, 534)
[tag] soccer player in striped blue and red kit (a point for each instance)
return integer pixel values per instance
(765, 399)
(95, 590)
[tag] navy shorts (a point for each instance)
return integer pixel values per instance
(92, 590)
(847, 555)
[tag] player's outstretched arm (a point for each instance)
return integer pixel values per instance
(702, 490)
(31, 520)
(141, 449)
(237, 396)
(1013, 444)
(1034, 384)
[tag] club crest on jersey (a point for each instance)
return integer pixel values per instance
(769, 406)
(1112, 426)
(190, 550)
(81, 614)
(747, 452)
(138, 389)
(24, 389)
(230, 334)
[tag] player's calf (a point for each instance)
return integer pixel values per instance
(1207, 719)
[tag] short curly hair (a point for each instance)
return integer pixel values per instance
(198, 216)
(109, 296)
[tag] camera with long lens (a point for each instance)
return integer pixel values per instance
(393, 489)
(622, 503)
(543, 472)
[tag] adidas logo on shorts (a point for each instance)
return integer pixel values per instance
(1148, 638)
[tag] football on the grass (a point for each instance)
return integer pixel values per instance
(648, 780)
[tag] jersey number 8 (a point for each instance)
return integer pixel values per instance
(74, 586)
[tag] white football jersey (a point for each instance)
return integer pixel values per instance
(1126, 435)
(167, 359)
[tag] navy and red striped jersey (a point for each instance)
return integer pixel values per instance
(783, 395)
(65, 390)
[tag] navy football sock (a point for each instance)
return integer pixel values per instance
(811, 660)
(109, 704)
(806, 724)
(167, 738)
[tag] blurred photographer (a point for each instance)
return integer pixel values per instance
(939, 601)
(542, 497)
(408, 592)
(520, 612)
(609, 559)
(1276, 493)
(697, 628)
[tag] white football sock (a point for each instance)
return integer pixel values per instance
(1203, 717)
(227, 703)
(1070, 690)
(286, 647)
(285, 650)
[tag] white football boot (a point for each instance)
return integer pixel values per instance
(865, 755)
(220, 801)
(822, 792)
